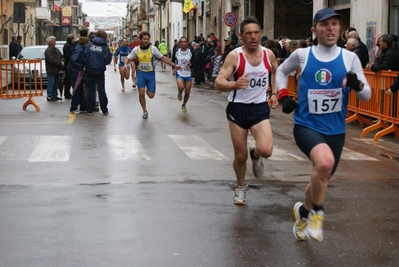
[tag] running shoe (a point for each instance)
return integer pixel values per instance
(145, 115)
(240, 195)
(77, 111)
(314, 229)
(179, 96)
(300, 223)
(183, 108)
(134, 84)
(257, 164)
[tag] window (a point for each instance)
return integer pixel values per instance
(340, 2)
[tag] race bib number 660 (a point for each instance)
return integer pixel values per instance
(325, 100)
(144, 66)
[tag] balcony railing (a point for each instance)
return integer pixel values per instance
(43, 13)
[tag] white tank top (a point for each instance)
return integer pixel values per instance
(183, 58)
(258, 76)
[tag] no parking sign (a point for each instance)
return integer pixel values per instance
(230, 19)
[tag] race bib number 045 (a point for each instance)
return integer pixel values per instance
(322, 101)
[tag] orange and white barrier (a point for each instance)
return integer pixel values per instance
(382, 108)
(22, 78)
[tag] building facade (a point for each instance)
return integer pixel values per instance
(35, 20)
(165, 19)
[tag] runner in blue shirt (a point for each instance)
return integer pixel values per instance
(327, 75)
(122, 53)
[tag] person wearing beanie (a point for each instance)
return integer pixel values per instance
(264, 38)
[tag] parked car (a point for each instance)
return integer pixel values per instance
(31, 52)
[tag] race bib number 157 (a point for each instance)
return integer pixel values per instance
(325, 100)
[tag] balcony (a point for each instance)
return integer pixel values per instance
(26, 2)
(76, 22)
(43, 13)
(133, 25)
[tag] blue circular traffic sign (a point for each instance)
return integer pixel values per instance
(230, 19)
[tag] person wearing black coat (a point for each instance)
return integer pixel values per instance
(389, 59)
(14, 47)
(76, 65)
(67, 52)
(361, 50)
(54, 63)
(197, 64)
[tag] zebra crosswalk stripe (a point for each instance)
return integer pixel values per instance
(51, 149)
(125, 148)
(129, 148)
(348, 154)
(196, 148)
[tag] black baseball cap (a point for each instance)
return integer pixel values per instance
(324, 14)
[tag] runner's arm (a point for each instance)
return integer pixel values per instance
(222, 82)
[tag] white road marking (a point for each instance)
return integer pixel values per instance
(279, 154)
(282, 155)
(2, 138)
(51, 149)
(348, 154)
(17, 147)
(196, 148)
(126, 147)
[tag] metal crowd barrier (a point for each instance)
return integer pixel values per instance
(382, 109)
(22, 78)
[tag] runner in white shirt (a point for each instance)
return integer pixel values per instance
(182, 57)
(245, 75)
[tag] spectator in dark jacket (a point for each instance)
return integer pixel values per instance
(211, 52)
(229, 46)
(97, 57)
(14, 47)
(389, 59)
(54, 62)
(204, 52)
(197, 65)
(394, 87)
(76, 64)
(233, 36)
(361, 50)
(395, 39)
(67, 52)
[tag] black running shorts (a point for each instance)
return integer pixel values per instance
(247, 115)
(307, 139)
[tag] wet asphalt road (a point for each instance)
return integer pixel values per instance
(168, 208)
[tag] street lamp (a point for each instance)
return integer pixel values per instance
(124, 11)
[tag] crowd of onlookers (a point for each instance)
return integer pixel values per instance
(208, 55)
(204, 51)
